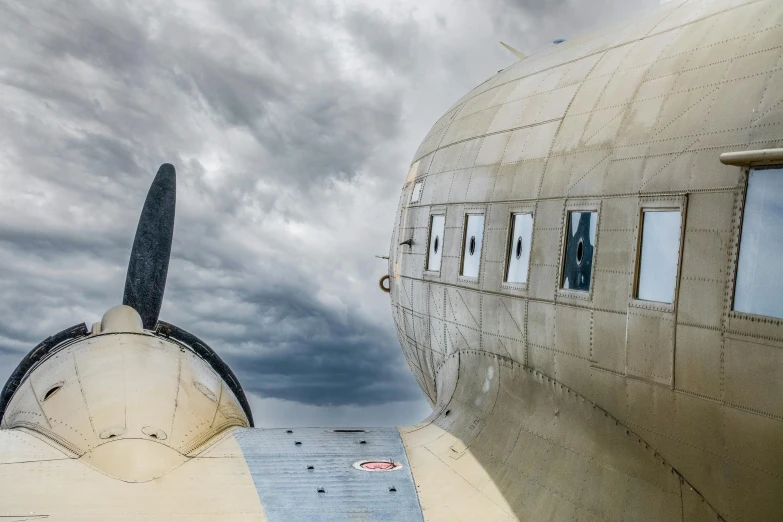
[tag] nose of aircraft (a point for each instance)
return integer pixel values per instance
(126, 401)
(134, 397)
(120, 319)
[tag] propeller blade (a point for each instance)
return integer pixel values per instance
(149, 260)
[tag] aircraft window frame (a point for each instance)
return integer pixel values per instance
(749, 316)
(569, 207)
(435, 211)
(516, 287)
(471, 212)
(415, 197)
(657, 204)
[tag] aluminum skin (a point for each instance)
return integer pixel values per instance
(555, 404)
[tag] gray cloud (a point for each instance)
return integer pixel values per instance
(291, 125)
(394, 45)
(101, 95)
(526, 21)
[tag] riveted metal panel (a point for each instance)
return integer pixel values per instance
(492, 149)
(509, 115)
(541, 324)
(477, 103)
(436, 188)
(544, 260)
(705, 256)
(446, 158)
(614, 260)
(665, 95)
(650, 345)
(744, 425)
(503, 326)
(289, 491)
(697, 361)
(463, 318)
(530, 143)
(467, 158)
(431, 142)
(573, 331)
(458, 190)
(527, 179)
(753, 375)
(608, 341)
(482, 180)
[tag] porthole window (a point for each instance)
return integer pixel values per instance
(416, 192)
(759, 287)
(660, 255)
(435, 252)
(471, 252)
(519, 251)
(580, 243)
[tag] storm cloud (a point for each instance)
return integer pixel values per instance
(291, 125)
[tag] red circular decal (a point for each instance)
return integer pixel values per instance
(374, 465)
(377, 465)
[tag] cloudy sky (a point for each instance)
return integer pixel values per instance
(291, 124)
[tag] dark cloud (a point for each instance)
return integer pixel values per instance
(291, 124)
(253, 104)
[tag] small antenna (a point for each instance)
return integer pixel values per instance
(518, 54)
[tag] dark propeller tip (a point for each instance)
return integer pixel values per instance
(166, 169)
(149, 260)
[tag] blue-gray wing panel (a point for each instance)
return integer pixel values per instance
(288, 490)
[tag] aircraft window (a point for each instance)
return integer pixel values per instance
(437, 227)
(471, 254)
(660, 255)
(519, 251)
(416, 192)
(580, 241)
(759, 287)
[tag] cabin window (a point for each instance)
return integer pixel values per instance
(416, 192)
(580, 243)
(660, 255)
(519, 248)
(471, 251)
(435, 252)
(759, 286)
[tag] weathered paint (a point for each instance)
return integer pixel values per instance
(631, 117)
(549, 404)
